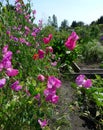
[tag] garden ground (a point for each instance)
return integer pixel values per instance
(68, 110)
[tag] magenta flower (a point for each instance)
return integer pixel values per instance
(2, 82)
(12, 72)
(7, 55)
(46, 40)
(50, 95)
(41, 77)
(49, 92)
(83, 82)
(43, 123)
(8, 33)
(6, 64)
(5, 49)
(80, 79)
(55, 99)
(71, 42)
(41, 54)
(33, 34)
(87, 83)
(53, 82)
(15, 86)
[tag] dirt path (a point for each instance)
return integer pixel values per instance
(70, 113)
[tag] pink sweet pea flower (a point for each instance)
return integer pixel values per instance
(80, 79)
(46, 40)
(12, 72)
(53, 82)
(5, 49)
(71, 42)
(49, 92)
(43, 123)
(41, 77)
(6, 64)
(51, 96)
(55, 99)
(41, 54)
(87, 83)
(54, 63)
(7, 55)
(15, 86)
(2, 82)
(49, 49)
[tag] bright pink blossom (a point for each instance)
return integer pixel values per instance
(5, 49)
(6, 64)
(71, 42)
(43, 123)
(87, 83)
(15, 86)
(80, 79)
(41, 77)
(46, 40)
(55, 99)
(7, 55)
(41, 53)
(53, 82)
(12, 72)
(2, 82)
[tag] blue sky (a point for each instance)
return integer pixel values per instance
(79, 10)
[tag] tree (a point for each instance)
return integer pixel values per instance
(100, 20)
(64, 25)
(74, 24)
(53, 21)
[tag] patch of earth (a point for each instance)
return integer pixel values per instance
(65, 110)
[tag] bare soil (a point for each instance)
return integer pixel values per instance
(66, 109)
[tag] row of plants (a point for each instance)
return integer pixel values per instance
(29, 69)
(30, 63)
(88, 99)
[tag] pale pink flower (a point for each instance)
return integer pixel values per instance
(49, 49)
(43, 123)
(2, 82)
(54, 63)
(41, 77)
(5, 49)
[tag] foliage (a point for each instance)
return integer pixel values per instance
(90, 103)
